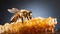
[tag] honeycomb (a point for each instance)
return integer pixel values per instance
(32, 26)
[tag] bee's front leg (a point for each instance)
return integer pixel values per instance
(29, 17)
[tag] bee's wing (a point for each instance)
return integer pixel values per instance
(13, 10)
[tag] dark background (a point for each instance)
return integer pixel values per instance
(41, 8)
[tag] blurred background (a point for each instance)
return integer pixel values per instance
(42, 8)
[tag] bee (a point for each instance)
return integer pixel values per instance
(20, 14)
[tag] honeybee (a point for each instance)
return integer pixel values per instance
(20, 14)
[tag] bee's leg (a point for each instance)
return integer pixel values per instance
(52, 30)
(27, 17)
(11, 21)
(22, 20)
(14, 19)
(30, 17)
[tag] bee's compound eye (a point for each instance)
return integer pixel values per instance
(30, 11)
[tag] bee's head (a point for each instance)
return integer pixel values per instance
(30, 11)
